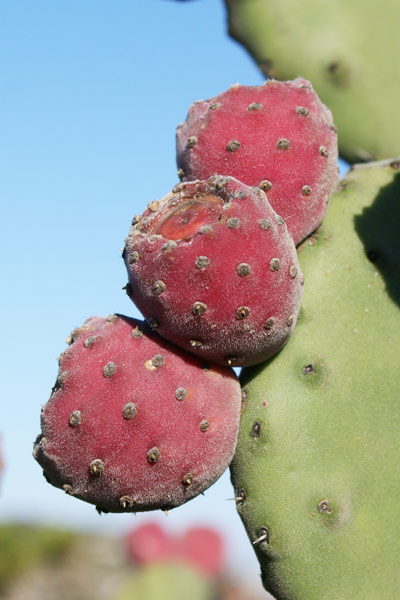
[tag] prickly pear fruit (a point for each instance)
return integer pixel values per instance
(316, 471)
(149, 543)
(277, 136)
(350, 61)
(133, 423)
(213, 267)
(203, 548)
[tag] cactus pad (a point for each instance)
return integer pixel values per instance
(316, 471)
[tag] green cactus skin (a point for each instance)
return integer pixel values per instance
(167, 581)
(317, 466)
(346, 49)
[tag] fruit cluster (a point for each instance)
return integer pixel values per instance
(137, 419)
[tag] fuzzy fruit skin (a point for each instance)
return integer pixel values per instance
(226, 285)
(124, 426)
(277, 135)
(318, 454)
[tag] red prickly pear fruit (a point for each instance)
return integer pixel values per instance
(214, 269)
(133, 423)
(203, 548)
(149, 543)
(278, 136)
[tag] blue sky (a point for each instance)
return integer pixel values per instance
(91, 94)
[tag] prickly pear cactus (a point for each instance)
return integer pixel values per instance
(347, 50)
(172, 581)
(316, 471)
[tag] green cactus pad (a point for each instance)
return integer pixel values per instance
(348, 50)
(166, 581)
(316, 471)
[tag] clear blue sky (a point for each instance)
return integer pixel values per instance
(91, 93)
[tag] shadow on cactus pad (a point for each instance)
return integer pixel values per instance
(378, 228)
